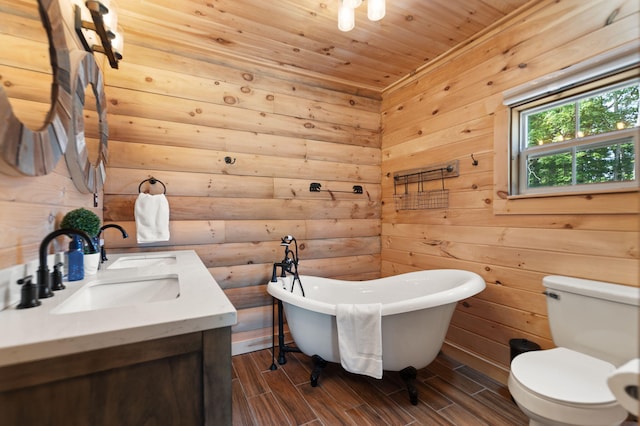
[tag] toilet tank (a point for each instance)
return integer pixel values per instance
(593, 317)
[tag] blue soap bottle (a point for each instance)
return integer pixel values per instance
(75, 260)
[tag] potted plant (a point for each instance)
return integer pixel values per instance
(89, 222)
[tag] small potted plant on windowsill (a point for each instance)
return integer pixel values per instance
(89, 222)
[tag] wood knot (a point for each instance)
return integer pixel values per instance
(230, 100)
(247, 76)
(245, 89)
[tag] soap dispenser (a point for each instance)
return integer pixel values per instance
(75, 260)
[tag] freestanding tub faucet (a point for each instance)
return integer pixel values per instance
(289, 263)
(103, 252)
(44, 288)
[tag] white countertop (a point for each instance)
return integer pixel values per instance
(38, 333)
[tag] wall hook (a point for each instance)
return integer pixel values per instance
(475, 162)
(229, 160)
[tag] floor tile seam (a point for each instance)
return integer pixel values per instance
(284, 414)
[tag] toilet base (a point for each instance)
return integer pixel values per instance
(556, 414)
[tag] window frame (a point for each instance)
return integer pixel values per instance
(520, 153)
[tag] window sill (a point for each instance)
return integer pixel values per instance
(569, 194)
(620, 201)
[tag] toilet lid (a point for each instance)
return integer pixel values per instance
(564, 375)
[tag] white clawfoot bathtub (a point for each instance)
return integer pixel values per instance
(416, 310)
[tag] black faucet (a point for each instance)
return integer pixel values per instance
(289, 263)
(44, 289)
(103, 252)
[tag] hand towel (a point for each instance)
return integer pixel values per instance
(152, 218)
(360, 338)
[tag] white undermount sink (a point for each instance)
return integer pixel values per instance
(111, 293)
(143, 261)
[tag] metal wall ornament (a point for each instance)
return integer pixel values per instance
(28, 152)
(87, 174)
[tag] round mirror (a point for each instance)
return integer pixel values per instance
(23, 150)
(86, 157)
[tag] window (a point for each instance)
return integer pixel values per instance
(577, 129)
(583, 138)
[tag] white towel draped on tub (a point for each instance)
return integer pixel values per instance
(360, 338)
(152, 218)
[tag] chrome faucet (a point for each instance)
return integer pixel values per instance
(44, 288)
(103, 252)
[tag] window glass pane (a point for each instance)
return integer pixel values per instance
(612, 163)
(609, 111)
(589, 137)
(553, 125)
(550, 170)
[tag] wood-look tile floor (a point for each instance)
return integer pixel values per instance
(449, 393)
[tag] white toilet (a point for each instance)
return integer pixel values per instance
(595, 327)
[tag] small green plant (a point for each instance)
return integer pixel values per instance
(83, 220)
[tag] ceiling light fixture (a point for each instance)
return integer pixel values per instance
(346, 12)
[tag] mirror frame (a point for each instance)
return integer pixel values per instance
(88, 176)
(24, 151)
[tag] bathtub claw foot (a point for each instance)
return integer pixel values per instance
(408, 375)
(318, 365)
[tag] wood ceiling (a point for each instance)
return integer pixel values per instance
(302, 35)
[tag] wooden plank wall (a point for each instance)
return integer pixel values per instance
(454, 109)
(31, 207)
(176, 115)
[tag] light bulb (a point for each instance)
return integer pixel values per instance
(111, 18)
(118, 42)
(346, 18)
(375, 9)
(352, 3)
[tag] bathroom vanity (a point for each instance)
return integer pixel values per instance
(145, 341)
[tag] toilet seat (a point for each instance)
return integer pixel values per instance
(564, 375)
(565, 387)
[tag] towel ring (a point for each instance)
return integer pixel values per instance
(153, 181)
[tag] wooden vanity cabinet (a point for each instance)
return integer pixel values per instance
(179, 380)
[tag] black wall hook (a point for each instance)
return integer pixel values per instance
(475, 162)
(229, 160)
